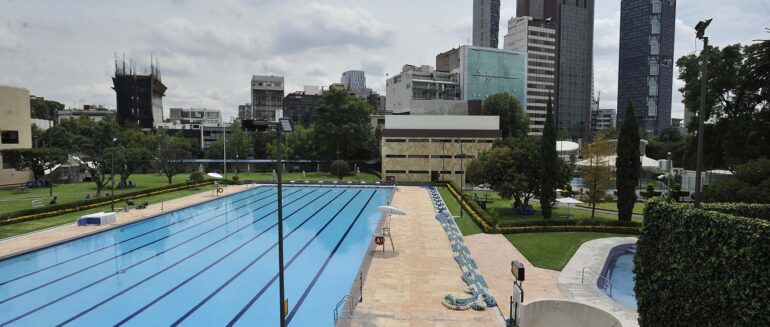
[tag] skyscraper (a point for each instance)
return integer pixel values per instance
(356, 81)
(139, 98)
(536, 37)
(645, 65)
(267, 97)
(574, 20)
(486, 23)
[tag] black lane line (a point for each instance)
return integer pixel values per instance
(185, 258)
(323, 267)
(129, 239)
(204, 301)
(157, 254)
(127, 252)
(264, 288)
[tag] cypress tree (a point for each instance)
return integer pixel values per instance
(628, 165)
(549, 165)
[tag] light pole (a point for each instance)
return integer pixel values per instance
(700, 29)
(112, 175)
(284, 126)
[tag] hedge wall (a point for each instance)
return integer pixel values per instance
(753, 210)
(59, 209)
(702, 268)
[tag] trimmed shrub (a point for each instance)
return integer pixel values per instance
(196, 177)
(759, 211)
(569, 222)
(236, 178)
(702, 268)
(339, 168)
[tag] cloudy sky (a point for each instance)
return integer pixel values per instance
(208, 50)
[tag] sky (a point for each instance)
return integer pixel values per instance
(65, 50)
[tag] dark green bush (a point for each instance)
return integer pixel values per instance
(569, 222)
(196, 177)
(759, 211)
(339, 168)
(702, 268)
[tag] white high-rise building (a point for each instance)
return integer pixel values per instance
(267, 97)
(536, 37)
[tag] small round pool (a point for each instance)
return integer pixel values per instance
(617, 278)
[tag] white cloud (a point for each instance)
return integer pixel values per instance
(178, 34)
(10, 41)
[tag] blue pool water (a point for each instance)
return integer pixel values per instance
(213, 264)
(620, 272)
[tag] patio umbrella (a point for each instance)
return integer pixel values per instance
(391, 210)
(569, 202)
(214, 175)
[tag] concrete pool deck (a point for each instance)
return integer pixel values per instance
(591, 256)
(406, 287)
(29, 242)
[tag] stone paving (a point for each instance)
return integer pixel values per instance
(28, 242)
(493, 254)
(405, 288)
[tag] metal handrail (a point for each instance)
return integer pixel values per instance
(342, 302)
(582, 277)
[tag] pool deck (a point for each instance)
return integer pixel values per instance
(50, 236)
(591, 256)
(406, 287)
(493, 254)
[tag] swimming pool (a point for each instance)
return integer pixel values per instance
(619, 271)
(211, 264)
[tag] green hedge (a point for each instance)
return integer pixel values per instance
(58, 209)
(569, 222)
(702, 268)
(753, 210)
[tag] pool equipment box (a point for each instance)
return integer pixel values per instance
(517, 269)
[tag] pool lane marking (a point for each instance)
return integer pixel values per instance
(130, 251)
(157, 254)
(307, 290)
(185, 259)
(320, 271)
(132, 238)
(204, 301)
(222, 286)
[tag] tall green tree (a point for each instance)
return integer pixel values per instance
(550, 170)
(597, 176)
(511, 168)
(344, 125)
(513, 119)
(737, 105)
(45, 109)
(628, 165)
(36, 160)
(170, 153)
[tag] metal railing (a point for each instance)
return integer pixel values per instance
(341, 306)
(606, 280)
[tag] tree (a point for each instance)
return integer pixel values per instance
(343, 125)
(628, 165)
(609, 133)
(511, 168)
(339, 168)
(513, 120)
(87, 141)
(300, 144)
(549, 172)
(45, 109)
(736, 105)
(597, 176)
(170, 153)
(750, 184)
(37, 160)
(239, 145)
(128, 160)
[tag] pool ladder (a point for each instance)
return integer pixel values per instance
(605, 279)
(341, 306)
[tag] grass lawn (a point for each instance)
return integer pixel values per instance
(466, 224)
(552, 250)
(638, 206)
(503, 208)
(31, 226)
(309, 176)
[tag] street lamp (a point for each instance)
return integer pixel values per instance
(700, 30)
(284, 126)
(112, 175)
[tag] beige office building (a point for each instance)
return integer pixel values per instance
(433, 148)
(15, 130)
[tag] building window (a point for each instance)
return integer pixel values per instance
(458, 172)
(6, 165)
(442, 156)
(446, 172)
(395, 140)
(442, 141)
(395, 156)
(419, 140)
(9, 137)
(418, 171)
(395, 171)
(419, 156)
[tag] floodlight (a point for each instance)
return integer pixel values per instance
(285, 124)
(701, 27)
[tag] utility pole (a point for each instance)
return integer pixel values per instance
(700, 29)
(224, 152)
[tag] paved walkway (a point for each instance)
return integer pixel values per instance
(405, 288)
(493, 254)
(35, 240)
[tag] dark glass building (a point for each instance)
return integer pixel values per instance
(574, 20)
(300, 108)
(139, 97)
(486, 23)
(645, 65)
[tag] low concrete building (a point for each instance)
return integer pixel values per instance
(93, 112)
(15, 131)
(428, 148)
(422, 87)
(602, 119)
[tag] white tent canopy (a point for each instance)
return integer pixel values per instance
(568, 201)
(647, 162)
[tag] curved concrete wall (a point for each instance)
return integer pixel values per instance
(546, 313)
